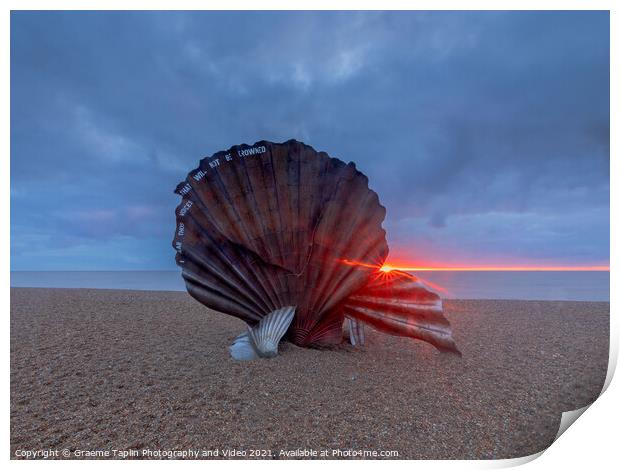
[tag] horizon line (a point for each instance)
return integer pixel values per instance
(386, 267)
(389, 267)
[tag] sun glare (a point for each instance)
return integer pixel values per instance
(386, 268)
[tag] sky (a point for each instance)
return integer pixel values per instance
(485, 134)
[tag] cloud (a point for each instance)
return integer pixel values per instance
(504, 238)
(465, 123)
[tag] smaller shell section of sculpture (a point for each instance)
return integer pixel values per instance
(398, 303)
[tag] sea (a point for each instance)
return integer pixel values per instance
(517, 285)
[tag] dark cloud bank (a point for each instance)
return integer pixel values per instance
(486, 135)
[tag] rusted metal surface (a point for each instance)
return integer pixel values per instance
(265, 226)
(270, 225)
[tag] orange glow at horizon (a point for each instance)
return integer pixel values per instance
(389, 267)
(386, 270)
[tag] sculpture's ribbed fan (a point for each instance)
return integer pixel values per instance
(267, 226)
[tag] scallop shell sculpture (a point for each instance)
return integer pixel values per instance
(290, 241)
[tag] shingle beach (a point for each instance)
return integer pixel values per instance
(105, 370)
